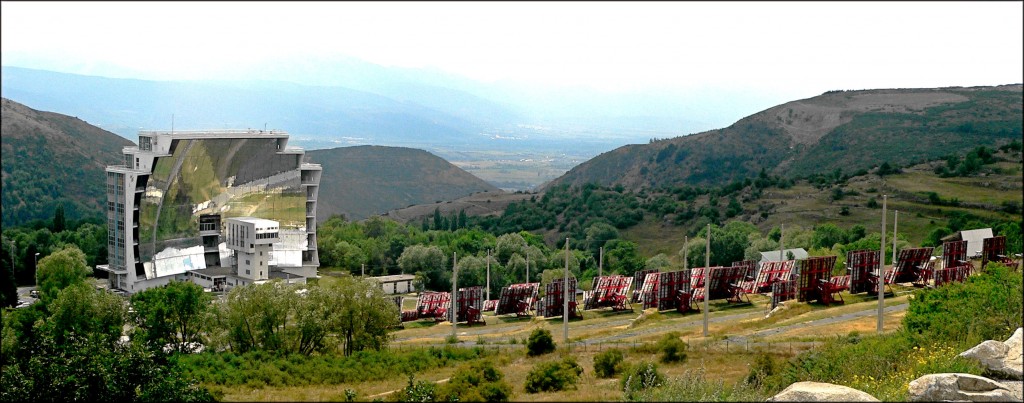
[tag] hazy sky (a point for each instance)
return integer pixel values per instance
(788, 47)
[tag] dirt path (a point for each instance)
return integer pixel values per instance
(381, 395)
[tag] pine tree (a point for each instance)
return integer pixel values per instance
(58, 219)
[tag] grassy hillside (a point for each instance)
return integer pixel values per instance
(845, 130)
(368, 180)
(48, 159)
(995, 194)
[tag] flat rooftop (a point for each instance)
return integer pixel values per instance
(394, 277)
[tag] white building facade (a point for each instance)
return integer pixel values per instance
(172, 204)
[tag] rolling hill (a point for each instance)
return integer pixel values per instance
(49, 159)
(845, 130)
(366, 180)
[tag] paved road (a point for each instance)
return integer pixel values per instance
(695, 321)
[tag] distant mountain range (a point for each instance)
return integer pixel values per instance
(344, 101)
(839, 130)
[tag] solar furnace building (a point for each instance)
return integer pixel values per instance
(219, 208)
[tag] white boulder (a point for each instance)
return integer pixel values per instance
(958, 387)
(1004, 359)
(821, 392)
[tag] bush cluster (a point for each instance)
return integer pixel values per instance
(553, 376)
(539, 343)
(476, 382)
(643, 375)
(608, 363)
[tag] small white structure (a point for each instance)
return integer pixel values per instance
(396, 284)
(773, 255)
(975, 239)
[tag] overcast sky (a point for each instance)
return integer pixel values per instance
(789, 47)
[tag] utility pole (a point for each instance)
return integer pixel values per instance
(895, 222)
(455, 296)
(527, 267)
(782, 248)
(565, 300)
(707, 276)
(362, 270)
(686, 241)
(600, 262)
(488, 274)
(881, 268)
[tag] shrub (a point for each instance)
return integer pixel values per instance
(539, 343)
(419, 391)
(553, 375)
(608, 363)
(641, 376)
(762, 368)
(476, 382)
(693, 387)
(672, 348)
(985, 307)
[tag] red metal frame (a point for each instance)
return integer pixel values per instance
(638, 281)
(469, 304)
(911, 265)
(812, 271)
(518, 299)
(674, 290)
(553, 299)
(490, 305)
(994, 250)
(860, 265)
(831, 289)
(433, 305)
(609, 291)
(649, 292)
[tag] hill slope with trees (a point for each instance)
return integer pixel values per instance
(366, 180)
(50, 159)
(846, 130)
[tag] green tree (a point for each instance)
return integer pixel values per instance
(827, 235)
(81, 309)
(430, 261)
(539, 342)
(508, 244)
(60, 270)
(658, 262)
(176, 314)
(58, 225)
(254, 316)
(364, 314)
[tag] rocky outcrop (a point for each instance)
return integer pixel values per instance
(821, 392)
(958, 387)
(1002, 359)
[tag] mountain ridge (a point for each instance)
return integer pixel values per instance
(858, 130)
(48, 160)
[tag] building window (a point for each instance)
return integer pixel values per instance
(246, 271)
